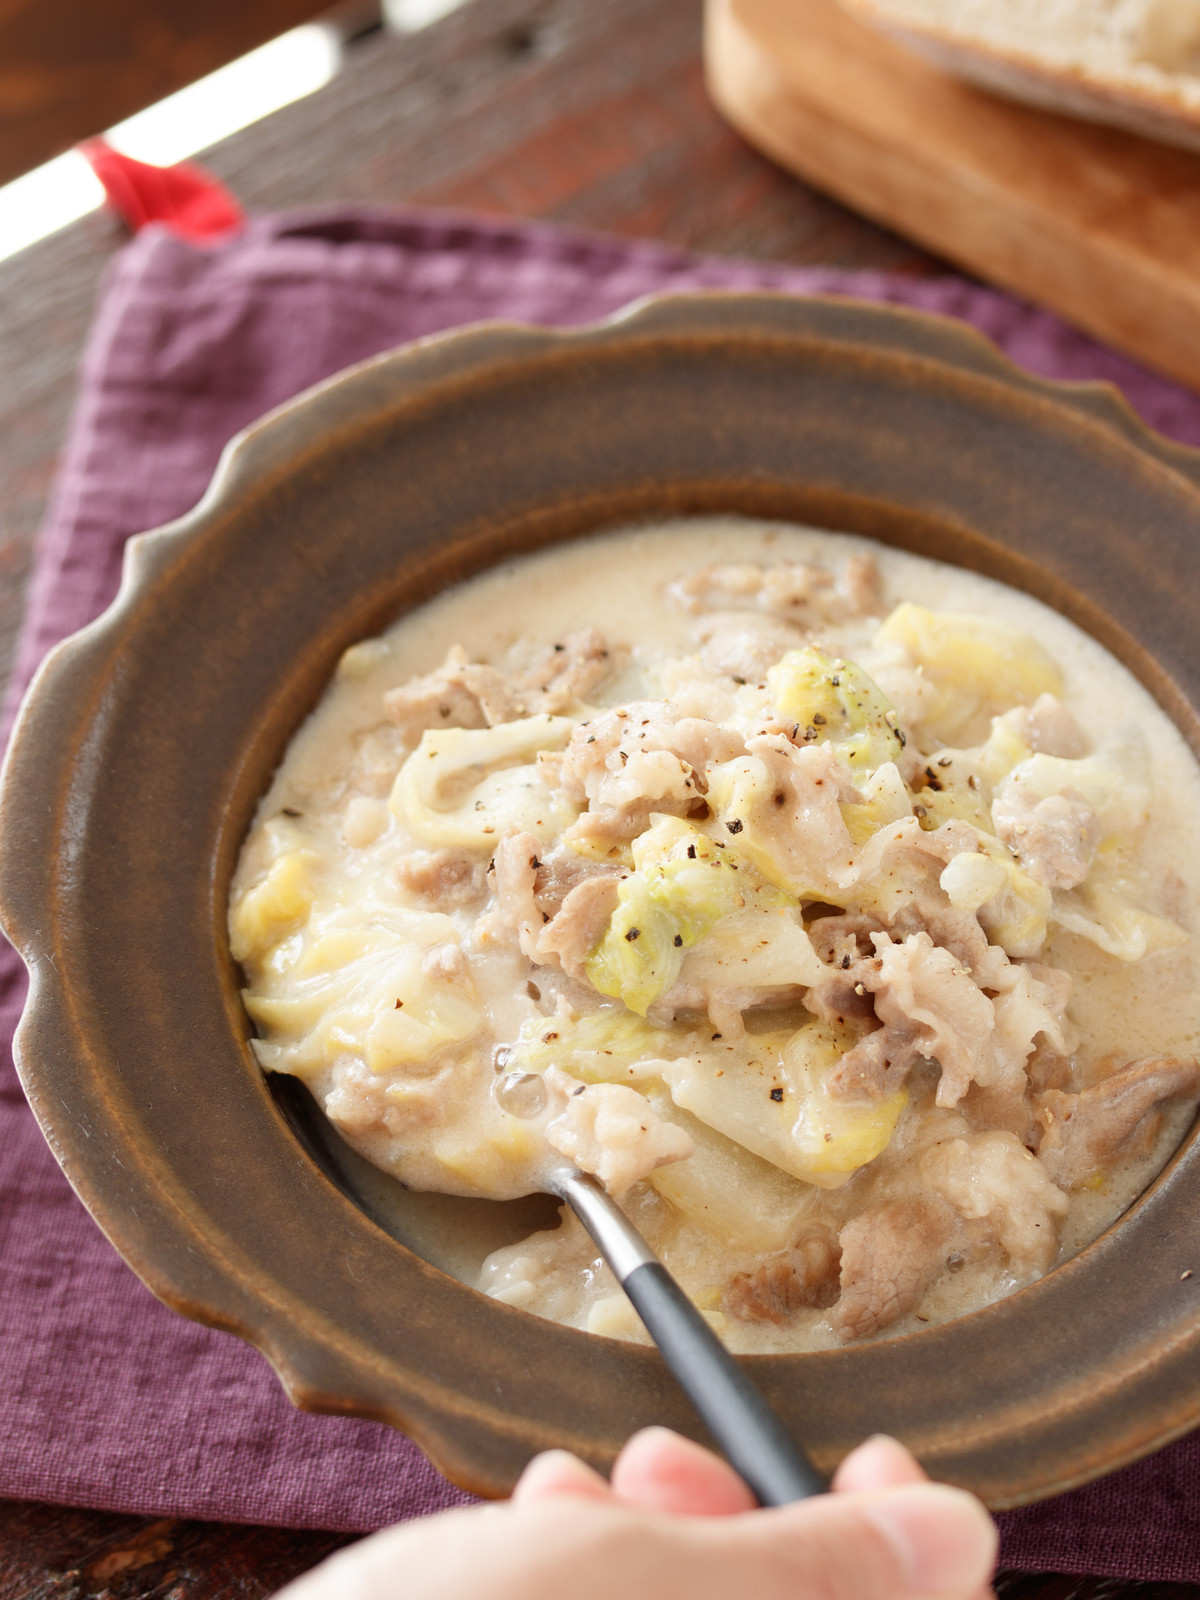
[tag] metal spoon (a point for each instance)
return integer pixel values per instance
(752, 1437)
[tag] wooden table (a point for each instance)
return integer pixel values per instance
(588, 111)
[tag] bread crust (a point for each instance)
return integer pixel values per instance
(1167, 111)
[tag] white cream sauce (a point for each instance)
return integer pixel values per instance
(327, 809)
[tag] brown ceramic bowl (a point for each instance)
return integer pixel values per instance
(148, 738)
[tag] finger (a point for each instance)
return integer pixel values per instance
(557, 1473)
(660, 1471)
(880, 1463)
(916, 1542)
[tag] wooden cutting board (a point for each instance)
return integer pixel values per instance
(1096, 224)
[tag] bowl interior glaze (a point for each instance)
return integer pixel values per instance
(147, 740)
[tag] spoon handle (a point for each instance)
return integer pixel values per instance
(752, 1437)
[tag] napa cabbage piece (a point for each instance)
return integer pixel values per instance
(885, 799)
(771, 1098)
(463, 788)
(1111, 781)
(1017, 916)
(953, 802)
(740, 1200)
(974, 667)
(495, 1156)
(361, 989)
(742, 791)
(837, 702)
(274, 907)
(683, 884)
(959, 784)
(754, 949)
(1105, 910)
(1003, 750)
(973, 878)
(613, 1317)
(609, 1045)
(806, 862)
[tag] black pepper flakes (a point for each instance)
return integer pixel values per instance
(633, 934)
(679, 941)
(734, 825)
(777, 1096)
(289, 811)
(691, 852)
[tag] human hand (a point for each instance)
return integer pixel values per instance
(676, 1523)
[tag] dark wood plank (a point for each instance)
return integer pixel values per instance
(52, 1553)
(1058, 1586)
(71, 68)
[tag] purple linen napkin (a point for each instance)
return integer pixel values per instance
(107, 1399)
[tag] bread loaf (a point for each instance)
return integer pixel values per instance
(1135, 63)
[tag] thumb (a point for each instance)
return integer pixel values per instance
(922, 1541)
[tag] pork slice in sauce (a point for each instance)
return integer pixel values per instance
(805, 1275)
(922, 990)
(844, 937)
(1084, 1133)
(572, 933)
(565, 672)
(1048, 727)
(567, 937)
(806, 833)
(1002, 1192)
(1054, 838)
(876, 1066)
(444, 879)
(955, 930)
(463, 693)
(459, 694)
(891, 1254)
(602, 746)
(843, 943)
(612, 1131)
(637, 760)
(514, 876)
(560, 871)
(796, 590)
(744, 647)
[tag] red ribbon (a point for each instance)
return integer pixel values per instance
(187, 199)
